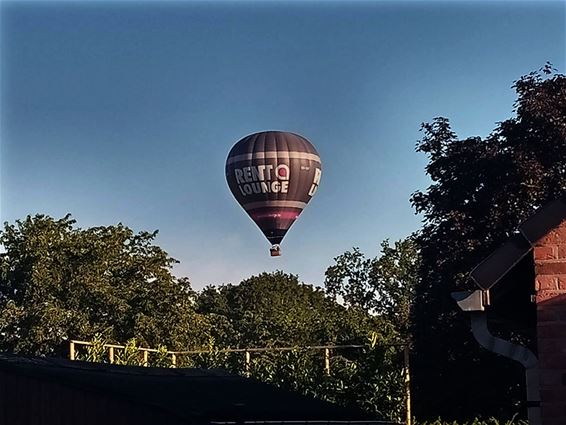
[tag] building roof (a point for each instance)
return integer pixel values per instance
(502, 260)
(192, 394)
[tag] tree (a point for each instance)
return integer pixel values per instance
(482, 189)
(59, 282)
(276, 309)
(383, 285)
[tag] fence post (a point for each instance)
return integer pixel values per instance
(247, 364)
(145, 358)
(72, 350)
(111, 354)
(407, 385)
(327, 361)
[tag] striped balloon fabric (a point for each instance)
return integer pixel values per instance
(273, 175)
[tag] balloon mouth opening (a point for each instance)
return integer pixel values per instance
(275, 250)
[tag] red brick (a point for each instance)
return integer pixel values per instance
(550, 285)
(561, 252)
(551, 299)
(552, 360)
(553, 237)
(553, 330)
(556, 308)
(553, 395)
(547, 267)
(545, 282)
(551, 377)
(550, 312)
(550, 296)
(551, 410)
(546, 420)
(545, 252)
(547, 314)
(552, 346)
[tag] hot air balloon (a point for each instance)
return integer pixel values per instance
(273, 175)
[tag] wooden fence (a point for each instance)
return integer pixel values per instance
(247, 352)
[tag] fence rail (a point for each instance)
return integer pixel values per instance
(247, 351)
(247, 358)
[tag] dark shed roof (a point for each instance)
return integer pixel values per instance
(503, 259)
(194, 395)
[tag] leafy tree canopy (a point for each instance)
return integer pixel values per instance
(59, 282)
(276, 309)
(383, 285)
(109, 284)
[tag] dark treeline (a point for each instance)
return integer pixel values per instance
(60, 282)
(481, 190)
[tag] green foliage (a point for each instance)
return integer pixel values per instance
(59, 282)
(108, 285)
(369, 378)
(481, 190)
(96, 352)
(476, 421)
(275, 309)
(213, 358)
(129, 355)
(161, 358)
(383, 285)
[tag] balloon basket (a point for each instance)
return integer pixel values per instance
(275, 251)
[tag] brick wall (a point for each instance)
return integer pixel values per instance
(550, 286)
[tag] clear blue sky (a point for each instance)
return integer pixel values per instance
(125, 112)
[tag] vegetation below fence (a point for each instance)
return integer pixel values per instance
(491, 421)
(367, 377)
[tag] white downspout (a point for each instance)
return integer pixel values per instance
(474, 302)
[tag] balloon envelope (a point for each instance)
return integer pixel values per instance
(273, 175)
